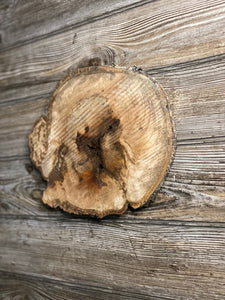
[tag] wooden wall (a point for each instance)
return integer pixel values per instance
(175, 247)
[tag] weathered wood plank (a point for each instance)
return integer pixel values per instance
(194, 88)
(196, 95)
(26, 93)
(152, 36)
(147, 259)
(48, 254)
(16, 123)
(13, 286)
(193, 190)
(26, 21)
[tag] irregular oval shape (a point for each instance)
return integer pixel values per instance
(107, 142)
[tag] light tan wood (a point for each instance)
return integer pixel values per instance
(107, 142)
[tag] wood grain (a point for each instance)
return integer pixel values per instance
(159, 259)
(174, 33)
(13, 286)
(107, 142)
(34, 20)
(146, 254)
(198, 170)
(193, 189)
(195, 92)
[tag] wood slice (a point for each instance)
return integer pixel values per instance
(107, 142)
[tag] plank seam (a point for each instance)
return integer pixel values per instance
(186, 64)
(113, 221)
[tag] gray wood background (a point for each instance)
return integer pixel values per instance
(175, 247)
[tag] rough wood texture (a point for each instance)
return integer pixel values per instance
(181, 44)
(155, 260)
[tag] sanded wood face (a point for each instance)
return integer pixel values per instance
(107, 141)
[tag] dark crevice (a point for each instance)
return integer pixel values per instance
(186, 64)
(91, 145)
(113, 221)
(57, 173)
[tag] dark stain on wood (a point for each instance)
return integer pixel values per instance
(60, 168)
(92, 147)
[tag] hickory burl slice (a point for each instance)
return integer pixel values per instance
(107, 141)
